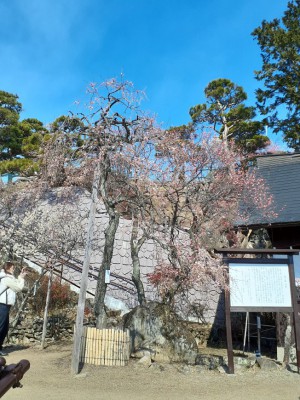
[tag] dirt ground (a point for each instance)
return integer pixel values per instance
(49, 378)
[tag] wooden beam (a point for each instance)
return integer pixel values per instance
(256, 251)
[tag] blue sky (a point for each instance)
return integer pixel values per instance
(50, 50)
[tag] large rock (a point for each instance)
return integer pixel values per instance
(209, 361)
(157, 329)
(267, 364)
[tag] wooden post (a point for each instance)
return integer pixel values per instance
(83, 345)
(228, 322)
(46, 309)
(229, 333)
(245, 332)
(258, 324)
(84, 276)
(296, 313)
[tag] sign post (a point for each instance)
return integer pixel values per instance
(261, 285)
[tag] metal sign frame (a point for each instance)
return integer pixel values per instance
(295, 309)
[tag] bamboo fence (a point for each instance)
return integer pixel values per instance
(104, 347)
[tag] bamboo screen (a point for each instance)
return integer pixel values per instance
(105, 346)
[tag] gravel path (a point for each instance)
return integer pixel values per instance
(49, 378)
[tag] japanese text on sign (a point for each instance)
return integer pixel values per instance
(257, 285)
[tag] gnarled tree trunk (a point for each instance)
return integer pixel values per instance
(135, 245)
(110, 233)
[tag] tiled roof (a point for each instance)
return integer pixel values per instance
(282, 175)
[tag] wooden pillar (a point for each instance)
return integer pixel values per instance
(296, 309)
(228, 332)
(228, 321)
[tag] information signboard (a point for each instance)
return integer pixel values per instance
(258, 287)
(260, 284)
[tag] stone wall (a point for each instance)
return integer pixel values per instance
(29, 331)
(60, 327)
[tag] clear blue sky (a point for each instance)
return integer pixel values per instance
(51, 49)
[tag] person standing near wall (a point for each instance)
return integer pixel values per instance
(9, 286)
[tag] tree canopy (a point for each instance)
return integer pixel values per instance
(279, 99)
(10, 108)
(230, 117)
(73, 127)
(20, 141)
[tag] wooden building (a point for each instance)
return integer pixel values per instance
(282, 175)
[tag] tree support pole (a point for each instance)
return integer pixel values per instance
(84, 277)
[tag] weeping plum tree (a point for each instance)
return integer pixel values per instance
(116, 125)
(186, 191)
(181, 190)
(192, 194)
(113, 126)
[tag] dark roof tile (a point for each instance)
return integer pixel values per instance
(282, 175)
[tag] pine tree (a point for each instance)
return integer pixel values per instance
(279, 100)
